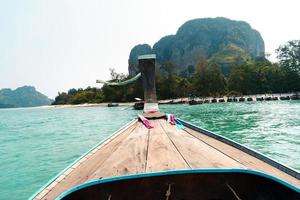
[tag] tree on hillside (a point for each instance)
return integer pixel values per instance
(113, 93)
(116, 76)
(121, 93)
(239, 80)
(289, 55)
(289, 60)
(166, 84)
(208, 79)
(262, 77)
(72, 91)
(215, 80)
(249, 79)
(183, 87)
(61, 98)
(199, 77)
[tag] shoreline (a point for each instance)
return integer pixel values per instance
(177, 100)
(166, 101)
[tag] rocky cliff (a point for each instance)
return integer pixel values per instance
(222, 41)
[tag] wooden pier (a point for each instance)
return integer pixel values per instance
(136, 149)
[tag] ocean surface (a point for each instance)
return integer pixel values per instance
(37, 143)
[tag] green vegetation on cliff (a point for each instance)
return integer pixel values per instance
(222, 41)
(203, 79)
(289, 55)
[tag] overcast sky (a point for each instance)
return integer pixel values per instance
(56, 45)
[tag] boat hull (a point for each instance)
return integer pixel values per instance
(134, 149)
(187, 184)
(138, 106)
(112, 105)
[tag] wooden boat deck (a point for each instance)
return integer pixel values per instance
(135, 149)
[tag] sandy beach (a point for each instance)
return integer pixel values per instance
(169, 101)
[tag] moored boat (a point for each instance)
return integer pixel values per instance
(284, 98)
(157, 158)
(185, 184)
(221, 100)
(268, 98)
(295, 97)
(135, 150)
(138, 106)
(241, 99)
(259, 98)
(214, 100)
(195, 102)
(112, 104)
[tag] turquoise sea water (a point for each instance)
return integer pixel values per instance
(37, 143)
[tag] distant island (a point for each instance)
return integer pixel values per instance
(26, 96)
(206, 57)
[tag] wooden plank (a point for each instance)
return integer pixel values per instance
(83, 171)
(137, 150)
(129, 158)
(247, 160)
(197, 153)
(162, 154)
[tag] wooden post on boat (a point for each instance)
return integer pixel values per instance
(147, 68)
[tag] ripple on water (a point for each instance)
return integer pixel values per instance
(36, 144)
(272, 128)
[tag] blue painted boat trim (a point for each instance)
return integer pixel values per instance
(177, 172)
(228, 141)
(247, 150)
(73, 163)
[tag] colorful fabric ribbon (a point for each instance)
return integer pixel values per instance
(172, 120)
(145, 121)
